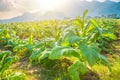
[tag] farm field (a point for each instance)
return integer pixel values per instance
(71, 49)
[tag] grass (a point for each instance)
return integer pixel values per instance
(47, 70)
(114, 59)
(103, 73)
(57, 70)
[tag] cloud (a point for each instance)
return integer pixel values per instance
(13, 8)
(115, 0)
(10, 8)
(103, 0)
(6, 5)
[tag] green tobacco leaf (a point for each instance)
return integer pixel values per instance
(104, 61)
(4, 53)
(94, 22)
(8, 46)
(75, 68)
(90, 52)
(54, 44)
(59, 51)
(30, 39)
(71, 52)
(29, 47)
(110, 35)
(66, 35)
(95, 47)
(73, 39)
(15, 49)
(80, 23)
(6, 63)
(44, 55)
(93, 37)
(3, 41)
(12, 43)
(99, 30)
(39, 44)
(89, 29)
(85, 13)
(69, 40)
(35, 54)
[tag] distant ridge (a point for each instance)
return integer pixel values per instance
(95, 9)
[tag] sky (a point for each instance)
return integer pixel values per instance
(13, 8)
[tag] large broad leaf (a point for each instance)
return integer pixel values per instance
(71, 39)
(94, 22)
(66, 35)
(29, 47)
(90, 52)
(6, 63)
(3, 41)
(71, 52)
(54, 44)
(16, 48)
(80, 23)
(10, 44)
(90, 28)
(104, 61)
(35, 54)
(39, 44)
(5, 54)
(59, 51)
(75, 69)
(93, 37)
(100, 30)
(44, 55)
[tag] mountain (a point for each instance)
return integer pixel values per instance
(36, 16)
(95, 9)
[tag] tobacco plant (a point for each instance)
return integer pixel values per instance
(81, 41)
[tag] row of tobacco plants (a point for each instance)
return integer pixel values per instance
(79, 39)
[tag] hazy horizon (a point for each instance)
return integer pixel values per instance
(10, 9)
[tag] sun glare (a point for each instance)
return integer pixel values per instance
(50, 4)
